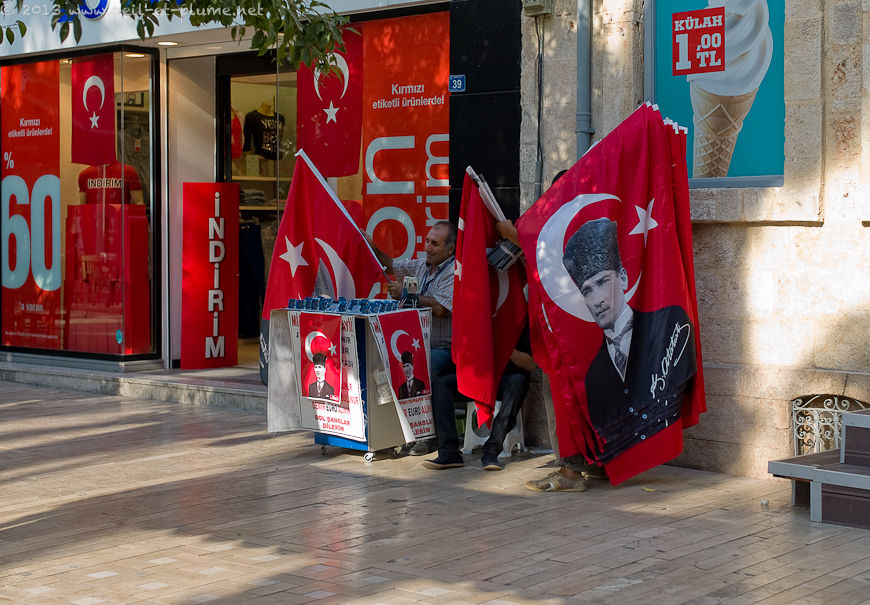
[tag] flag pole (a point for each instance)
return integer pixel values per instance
(486, 195)
(505, 253)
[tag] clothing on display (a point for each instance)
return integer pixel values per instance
(252, 197)
(263, 133)
(109, 184)
(236, 135)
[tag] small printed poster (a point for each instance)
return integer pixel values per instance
(403, 345)
(328, 384)
(320, 364)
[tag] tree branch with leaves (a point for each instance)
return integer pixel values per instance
(298, 31)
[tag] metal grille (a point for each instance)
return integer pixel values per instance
(816, 421)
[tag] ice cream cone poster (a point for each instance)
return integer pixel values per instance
(719, 71)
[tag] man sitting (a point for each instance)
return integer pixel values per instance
(512, 391)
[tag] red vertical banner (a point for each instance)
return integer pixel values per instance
(30, 206)
(210, 275)
(329, 110)
(92, 95)
(405, 129)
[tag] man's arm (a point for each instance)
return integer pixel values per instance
(523, 360)
(438, 310)
(385, 260)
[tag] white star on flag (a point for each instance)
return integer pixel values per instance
(293, 256)
(458, 270)
(94, 118)
(331, 112)
(331, 349)
(645, 221)
(416, 344)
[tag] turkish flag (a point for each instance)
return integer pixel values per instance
(93, 110)
(321, 346)
(403, 334)
(329, 109)
(489, 308)
(316, 231)
(611, 306)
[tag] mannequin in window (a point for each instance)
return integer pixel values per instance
(237, 138)
(113, 183)
(263, 129)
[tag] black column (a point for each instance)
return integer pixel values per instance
(485, 47)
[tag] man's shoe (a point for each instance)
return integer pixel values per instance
(490, 462)
(452, 460)
(422, 448)
(557, 482)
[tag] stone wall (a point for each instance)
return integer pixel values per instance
(783, 274)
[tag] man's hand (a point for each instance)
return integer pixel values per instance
(395, 289)
(506, 230)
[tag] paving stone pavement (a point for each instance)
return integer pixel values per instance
(111, 500)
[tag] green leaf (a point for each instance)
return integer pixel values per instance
(64, 31)
(77, 30)
(10, 37)
(22, 29)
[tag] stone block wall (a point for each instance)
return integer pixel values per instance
(783, 274)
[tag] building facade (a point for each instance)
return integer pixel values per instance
(781, 243)
(781, 269)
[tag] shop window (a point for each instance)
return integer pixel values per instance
(77, 204)
(258, 155)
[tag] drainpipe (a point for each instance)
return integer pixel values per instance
(584, 76)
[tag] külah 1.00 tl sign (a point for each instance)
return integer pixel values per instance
(718, 70)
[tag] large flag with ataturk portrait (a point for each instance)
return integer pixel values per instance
(612, 301)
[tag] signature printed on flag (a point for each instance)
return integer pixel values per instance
(668, 361)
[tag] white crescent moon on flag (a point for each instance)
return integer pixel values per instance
(90, 82)
(341, 63)
(555, 279)
(504, 286)
(311, 336)
(344, 283)
(393, 340)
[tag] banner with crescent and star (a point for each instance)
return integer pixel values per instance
(611, 300)
(93, 110)
(402, 340)
(31, 205)
(329, 109)
(489, 307)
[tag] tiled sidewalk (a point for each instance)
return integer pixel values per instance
(110, 500)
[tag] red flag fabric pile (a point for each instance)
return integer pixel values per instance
(612, 302)
(92, 83)
(489, 308)
(316, 231)
(329, 112)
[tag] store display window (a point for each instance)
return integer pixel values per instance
(76, 245)
(259, 111)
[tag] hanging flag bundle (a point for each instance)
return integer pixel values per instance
(489, 307)
(612, 301)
